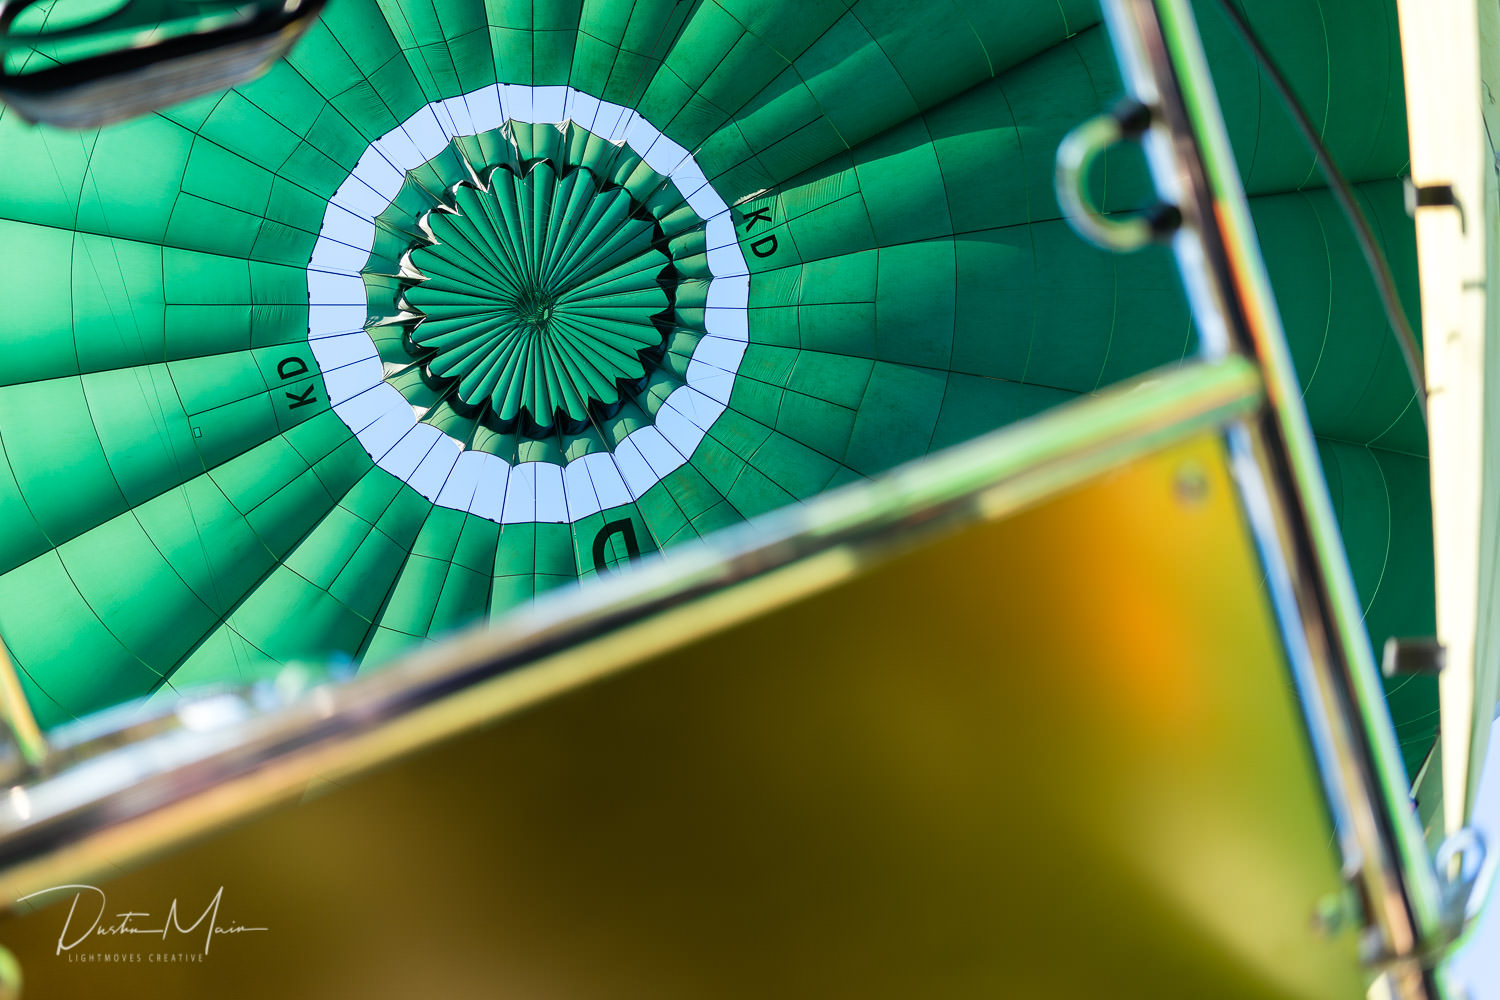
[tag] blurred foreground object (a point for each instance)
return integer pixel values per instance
(881, 780)
(87, 63)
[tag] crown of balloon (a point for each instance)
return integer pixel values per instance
(538, 294)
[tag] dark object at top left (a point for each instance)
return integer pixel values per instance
(86, 63)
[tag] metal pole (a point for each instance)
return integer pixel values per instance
(1282, 487)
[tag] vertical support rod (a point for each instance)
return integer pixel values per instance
(1218, 254)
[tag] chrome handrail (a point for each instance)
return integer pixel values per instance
(1187, 147)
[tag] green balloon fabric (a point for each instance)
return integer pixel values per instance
(469, 299)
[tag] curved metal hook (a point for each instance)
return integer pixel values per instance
(1465, 870)
(1076, 154)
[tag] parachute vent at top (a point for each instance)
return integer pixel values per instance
(548, 334)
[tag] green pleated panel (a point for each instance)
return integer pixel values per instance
(181, 503)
